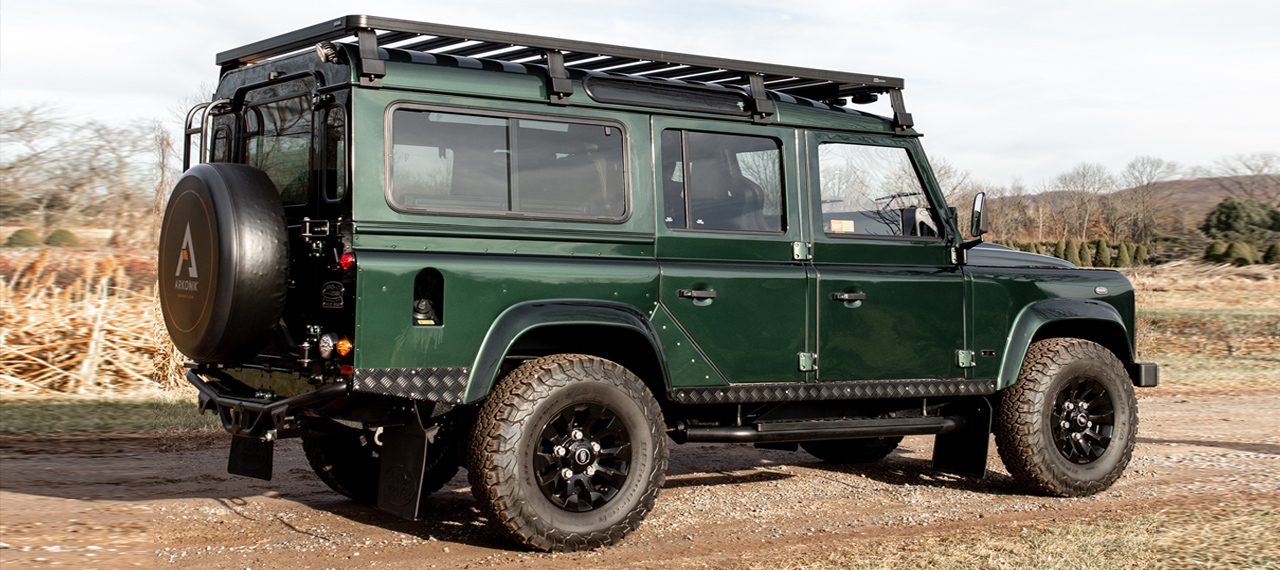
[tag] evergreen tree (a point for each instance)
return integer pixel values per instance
(1238, 220)
(1123, 258)
(62, 238)
(1216, 251)
(1086, 256)
(1240, 253)
(1072, 253)
(1273, 254)
(1140, 254)
(1102, 255)
(24, 237)
(1060, 249)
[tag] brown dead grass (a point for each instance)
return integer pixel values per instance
(1205, 286)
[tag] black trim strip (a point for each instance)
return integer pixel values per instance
(854, 390)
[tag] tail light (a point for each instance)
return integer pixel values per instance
(347, 261)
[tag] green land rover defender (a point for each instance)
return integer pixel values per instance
(422, 247)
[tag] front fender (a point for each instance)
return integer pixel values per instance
(1101, 319)
(524, 317)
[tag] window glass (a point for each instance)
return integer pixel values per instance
(448, 161)
(335, 150)
(278, 141)
(872, 190)
(722, 182)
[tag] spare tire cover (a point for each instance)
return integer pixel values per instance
(224, 262)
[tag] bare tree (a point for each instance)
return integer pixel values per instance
(1142, 176)
(1083, 187)
(1250, 176)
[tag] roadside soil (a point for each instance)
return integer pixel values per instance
(127, 500)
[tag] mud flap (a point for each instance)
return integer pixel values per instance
(404, 459)
(251, 457)
(964, 451)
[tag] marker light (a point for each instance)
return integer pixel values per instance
(327, 343)
(347, 261)
(348, 369)
(343, 347)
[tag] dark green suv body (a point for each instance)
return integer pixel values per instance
(432, 247)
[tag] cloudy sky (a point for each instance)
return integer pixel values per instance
(1006, 89)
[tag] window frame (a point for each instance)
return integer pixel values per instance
(822, 138)
(388, 157)
(684, 165)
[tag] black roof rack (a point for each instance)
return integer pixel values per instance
(372, 32)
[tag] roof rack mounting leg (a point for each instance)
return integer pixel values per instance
(760, 96)
(372, 68)
(559, 86)
(901, 118)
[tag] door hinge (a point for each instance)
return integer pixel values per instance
(808, 361)
(801, 251)
(964, 358)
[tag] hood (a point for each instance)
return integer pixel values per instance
(992, 255)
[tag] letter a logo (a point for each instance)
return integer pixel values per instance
(188, 254)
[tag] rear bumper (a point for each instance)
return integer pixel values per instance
(246, 416)
(1144, 374)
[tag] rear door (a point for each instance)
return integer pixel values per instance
(889, 300)
(728, 218)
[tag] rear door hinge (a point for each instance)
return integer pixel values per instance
(964, 359)
(801, 251)
(808, 361)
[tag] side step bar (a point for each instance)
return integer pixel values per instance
(784, 432)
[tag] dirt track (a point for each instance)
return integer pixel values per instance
(124, 501)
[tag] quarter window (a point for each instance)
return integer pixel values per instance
(721, 182)
(872, 191)
(453, 162)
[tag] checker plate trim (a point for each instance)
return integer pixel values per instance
(855, 390)
(446, 385)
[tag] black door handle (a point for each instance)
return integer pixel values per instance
(695, 294)
(846, 297)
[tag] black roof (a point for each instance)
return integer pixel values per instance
(373, 32)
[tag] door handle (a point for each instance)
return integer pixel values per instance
(847, 297)
(695, 294)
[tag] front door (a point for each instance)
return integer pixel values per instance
(729, 213)
(889, 301)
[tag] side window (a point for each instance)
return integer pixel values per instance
(469, 163)
(872, 191)
(722, 182)
(278, 141)
(335, 154)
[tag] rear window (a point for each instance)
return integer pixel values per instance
(277, 128)
(444, 162)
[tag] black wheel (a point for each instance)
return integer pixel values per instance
(224, 262)
(568, 453)
(350, 463)
(1067, 428)
(850, 451)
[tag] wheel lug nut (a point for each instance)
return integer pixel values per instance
(577, 434)
(559, 451)
(1069, 406)
(566, 473)
(1090, 424)
(1064, 424)
(595, 447)
(591, 471)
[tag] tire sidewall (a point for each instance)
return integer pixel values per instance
(1108, 467)
(643, 458)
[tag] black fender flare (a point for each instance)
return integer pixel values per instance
(1036, 316)
(524, 317)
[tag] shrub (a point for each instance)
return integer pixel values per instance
(1140, 254)
(1238, 220)
(1216, 252)
(1072, 252)
(1086, 255)
(1102, 255)
(1273, 254)
(1240, 253)
(1123, 259)
(1060, 249)
(24, 237)
(62, 238)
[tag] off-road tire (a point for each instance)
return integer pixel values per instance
(510, 428)
(1023, 422)
(350, 464)
(852, 451)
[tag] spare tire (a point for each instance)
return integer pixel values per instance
(224, 262)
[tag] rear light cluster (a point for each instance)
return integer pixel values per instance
(347, 261)
(331, 343)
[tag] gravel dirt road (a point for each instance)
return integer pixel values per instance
(154, 500)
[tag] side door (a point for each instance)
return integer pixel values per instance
(729, 214)
(889, 300)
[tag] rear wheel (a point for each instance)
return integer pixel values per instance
(1067, 428)
(568, 453)
(852, 451)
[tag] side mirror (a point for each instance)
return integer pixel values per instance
(979, 224)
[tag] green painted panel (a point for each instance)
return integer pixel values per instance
(476, 290)
(685, 363)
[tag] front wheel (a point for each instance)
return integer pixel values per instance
(1067, 428)
(568, 453)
